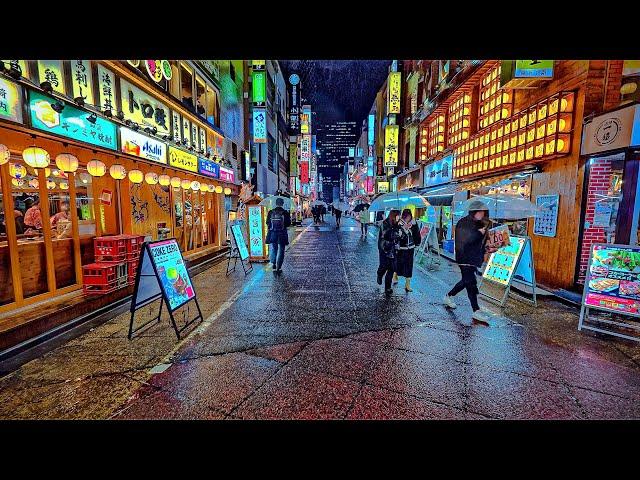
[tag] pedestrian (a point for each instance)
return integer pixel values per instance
(409, 238)
(323, 212)
(364, 221)
(388, 249)
(338, 214)
(278, 220)
(470, 250)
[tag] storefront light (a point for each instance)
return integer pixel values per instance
(164, 180)
(5, 153)
(51, 184)
(67, 162)
(117, 171)
(185, 184)
(16, 170)
(219, 189)
(175, 182)
(211, 188)
(204, 188)
(96, 168)
(17, 182)
(227, 191)
(151, 178)
(64, 185)
(36, 157)
(136, 176)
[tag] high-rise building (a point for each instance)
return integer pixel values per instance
(336, 142)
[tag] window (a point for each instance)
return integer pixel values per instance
(201, 99)
(175, 87)
(212, 106)
(234, 150)
(186, 83)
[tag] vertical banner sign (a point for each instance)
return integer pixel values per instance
(256, 238)
(194, 135)
(305, 119)
(294, 109)
(82, 80)
(106, 89)
(293, 160)
(186, 131)
(10, 101)
(305, 148)
(259, 125)
(51, 71)
(203, 139)
(391, 145)
(176, 125)
(304, 172)
(371, 125)
(259, 86)
(393, 94)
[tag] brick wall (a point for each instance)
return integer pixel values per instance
(599, 175)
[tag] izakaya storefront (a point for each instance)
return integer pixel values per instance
(68, 176)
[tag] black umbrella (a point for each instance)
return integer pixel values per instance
(360, 206)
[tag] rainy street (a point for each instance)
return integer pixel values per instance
(322, 341)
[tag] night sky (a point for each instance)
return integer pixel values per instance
(338, 89)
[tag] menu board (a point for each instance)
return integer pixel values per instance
(502, 263)
(238, 236)
(256, 231)
(546, 219)
(613, 279)
(171, 272)
(498, 237)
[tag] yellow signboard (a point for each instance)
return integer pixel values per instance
(383, 187)
(10, 101)
(82, 80)
(144, 109)
(393, 97)
(183, 160)
(391, 145)
(51, 71)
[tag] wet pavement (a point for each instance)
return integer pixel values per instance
(322, 341)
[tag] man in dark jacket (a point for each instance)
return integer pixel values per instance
(469, 245)
(278, 220)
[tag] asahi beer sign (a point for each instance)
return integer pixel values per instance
(611, 131)
(142, 146)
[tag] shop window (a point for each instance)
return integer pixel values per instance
(6, 280)
(175, 85)
(85, 198)
(186, 84)
(201, 95)
(212, 106)
(188, 220)
(178, 217)
(59, 218)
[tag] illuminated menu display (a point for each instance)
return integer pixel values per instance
(256, 231)
(502, 264)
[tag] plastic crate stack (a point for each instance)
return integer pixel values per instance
(116, 262)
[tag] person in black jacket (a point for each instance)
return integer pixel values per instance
(469, 245)
(388, 238)
(409, 239)
(278, 220)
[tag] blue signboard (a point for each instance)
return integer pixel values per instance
(439, 172)
(71, 122)
(371, 129)
(238, 236)
(208, 168)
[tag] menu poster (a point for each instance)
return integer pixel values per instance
(238, 236)
(502, 264)
(498, 237)
(171, 272)
(546, 219)
(602, 214)
(613, 279)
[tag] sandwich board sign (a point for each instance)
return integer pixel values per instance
(162, 274)
(512, 261)
(612, 285)
(239, 249)
(428, 244)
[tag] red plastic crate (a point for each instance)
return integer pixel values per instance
(99, 274)
(110, 249)
(99, 289)
(132, 268)
(133, 244)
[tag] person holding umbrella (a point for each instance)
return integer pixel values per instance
(278, 220)
(338, 213)
(409, 238)
(388, 249)
(470, 251)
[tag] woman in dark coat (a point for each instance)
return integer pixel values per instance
(388, 249)
(409, 239)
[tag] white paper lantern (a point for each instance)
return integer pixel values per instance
(67, 162)
(151, 178)
(96, 168)
(117, 171)
(36, 157)
(164, 180)
(5, 154)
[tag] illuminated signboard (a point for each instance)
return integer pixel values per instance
(208, 168)
(391, 145)
(71, 122)
(259, 86)
(142, 146)
(305, 119)
(259, 125)
(305, 147)
(294, 108)
(383, 187)
(304, 172)
(238, 236)
(183, 160)
(144, 109)
(439, 172)
(393, 97)
(256, 230)
(502, 264)
(293, 159)
(10, 101)
(51, 71)
(534, 69)
(371, 126)
(352, 152)
(82, 80)
(227, 175)
(106, 89)
(172, 272)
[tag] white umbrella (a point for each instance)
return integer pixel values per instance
(501, 206)
(318, 202)
(270, 202)
(340, 205)
(398, 201)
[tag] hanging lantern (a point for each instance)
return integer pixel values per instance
(5, 153)
(175, 182)
(136, 176)
(84, 177)
(64, 185)
(185, 184)
(17, 182)
(67, 162)
(96, 168)
(151, 178)
(195, 186)
(164, 180)
(219, 189)
(227, 191)
(36, 157)
(16, 170)
(56, 172)
(34, 183)
(118, 171)
(51, 184)
(204, 188)
(211, 188)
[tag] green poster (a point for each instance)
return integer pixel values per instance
(259, 86)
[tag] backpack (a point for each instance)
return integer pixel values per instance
(277, 221)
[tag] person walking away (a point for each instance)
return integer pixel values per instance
(314, 212)
(469, 247)
(278, 220)
(409, 238)
(364, 221)
(338, 214)
(387, 249)
(323, 212)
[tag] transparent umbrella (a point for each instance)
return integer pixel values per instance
(318, 202)
(398, 201)
(343, 206)
(501, 206)
(270, 202)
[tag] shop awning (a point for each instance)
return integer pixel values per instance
(440, 195)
